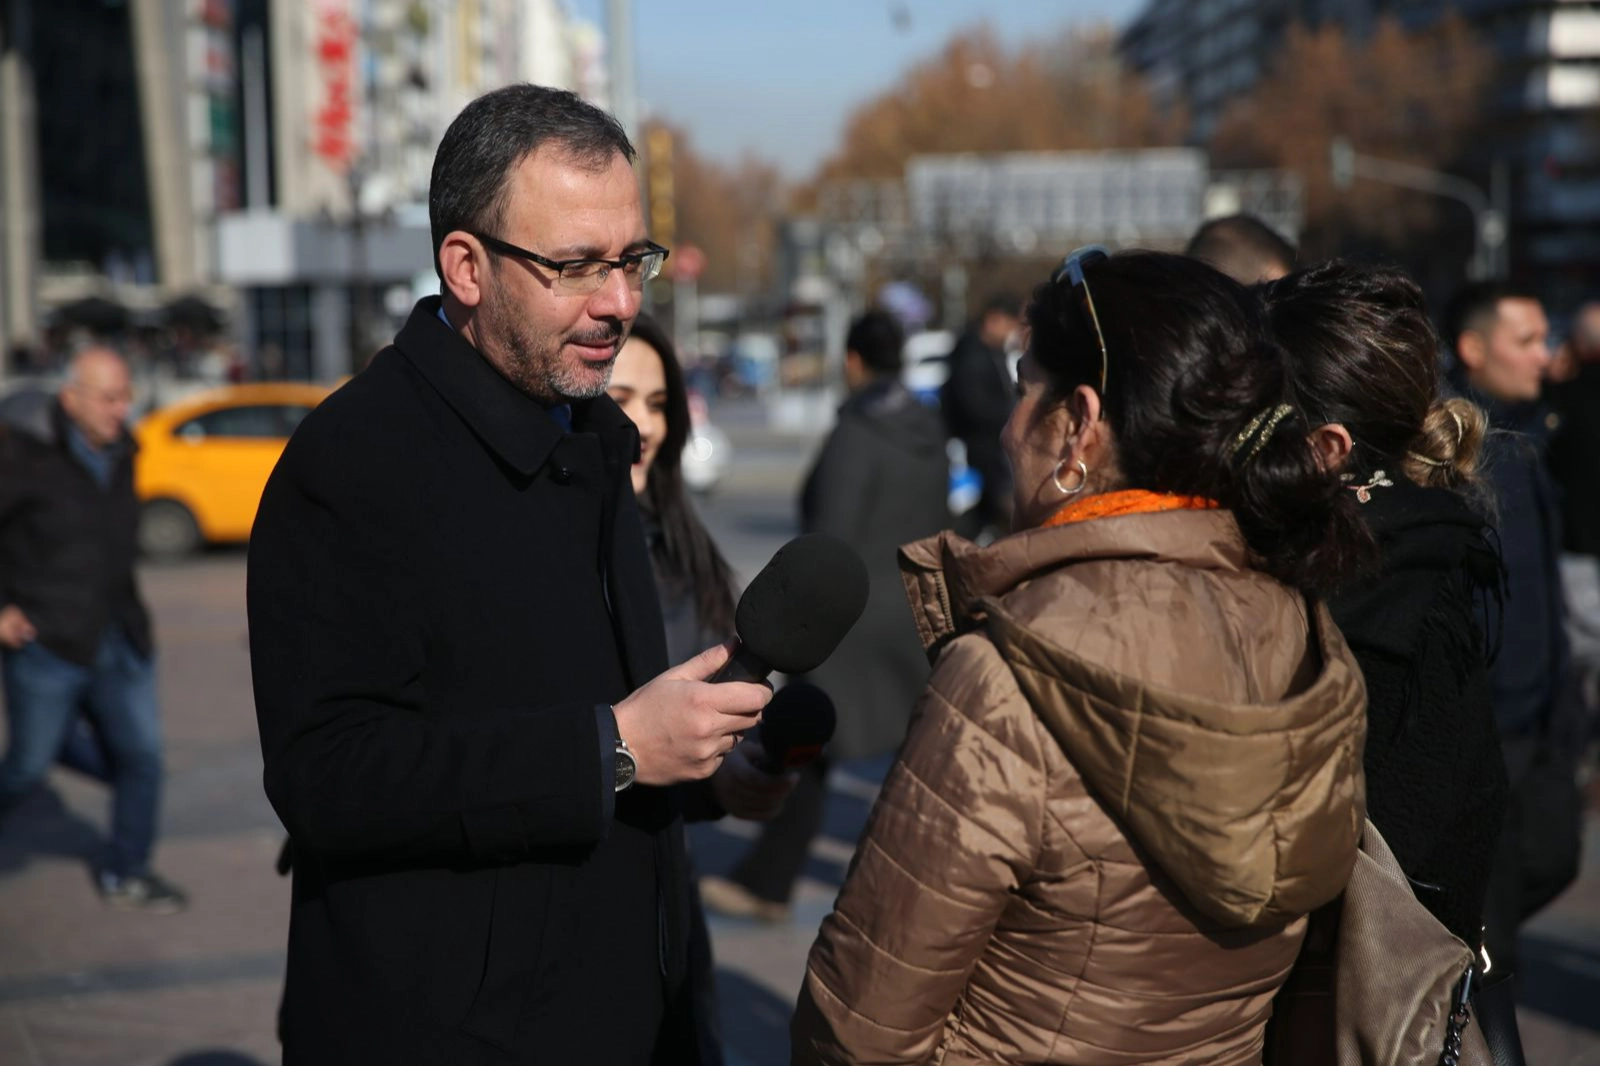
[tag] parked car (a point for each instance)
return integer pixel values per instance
(707, 453)
(927, 363)
(204, 461)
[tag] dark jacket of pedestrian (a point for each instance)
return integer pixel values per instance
(881, 480)
(1528, 678)
(1575, 458)
(976, 401)
(68, 545)
(1436, 786)
(443, 585)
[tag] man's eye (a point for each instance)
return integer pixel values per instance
(586, 268)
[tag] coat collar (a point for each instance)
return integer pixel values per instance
(947, 576)
(514, 425)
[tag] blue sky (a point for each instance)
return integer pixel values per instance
(779, 77)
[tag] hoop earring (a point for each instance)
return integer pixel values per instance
(1083, 477)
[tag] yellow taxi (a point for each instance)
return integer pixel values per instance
(203, 462)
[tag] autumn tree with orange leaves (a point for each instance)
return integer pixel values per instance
(978, 96)
(1409, 97)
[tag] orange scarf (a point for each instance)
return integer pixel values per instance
(1127, 501)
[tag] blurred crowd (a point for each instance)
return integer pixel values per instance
(1269, 647)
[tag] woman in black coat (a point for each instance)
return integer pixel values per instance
(1366, 362)
(696, 588)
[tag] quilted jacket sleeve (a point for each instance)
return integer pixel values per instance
(956, 828)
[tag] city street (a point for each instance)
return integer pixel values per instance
(81, 985)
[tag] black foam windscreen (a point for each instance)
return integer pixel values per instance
(798, 609)
(795, 726)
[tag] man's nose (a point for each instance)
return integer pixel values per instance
(615, 298)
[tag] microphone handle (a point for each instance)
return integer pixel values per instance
(744, 666)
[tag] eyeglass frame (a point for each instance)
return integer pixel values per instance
(1072, 269)
(495, 244)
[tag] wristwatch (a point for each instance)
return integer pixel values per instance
(627, 766)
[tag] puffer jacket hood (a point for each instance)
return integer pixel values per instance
(1252, 805)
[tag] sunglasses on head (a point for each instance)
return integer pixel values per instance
(1071, 270)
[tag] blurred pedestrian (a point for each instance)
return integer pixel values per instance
(881, 480)
(1243, 247)
(453, 633)
(977, 399)
(75, 631)
(1136, 769)
(1364, 356)
(1575, 463)
(1501, 339)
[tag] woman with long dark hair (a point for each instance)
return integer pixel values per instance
(696, 589)
(695, 581)
(1136, 769)
(1365, 359)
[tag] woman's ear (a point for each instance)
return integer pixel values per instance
(1332, 446)
(1091, 436)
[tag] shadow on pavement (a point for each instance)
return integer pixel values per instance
(1561, 980)
(755, 1023)
(44, 825)
(215, 1058)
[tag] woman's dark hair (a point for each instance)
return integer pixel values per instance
(1190, 366)
(687, 553)
(1363, 353)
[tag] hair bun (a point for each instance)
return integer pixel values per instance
(1446, 452)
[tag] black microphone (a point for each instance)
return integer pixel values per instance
(797, 609)
(794, 727)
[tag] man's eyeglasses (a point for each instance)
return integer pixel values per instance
(587, 275)
(1071, 269)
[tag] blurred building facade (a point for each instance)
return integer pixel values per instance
(272, 153)
(118, 150)
(1540, 120)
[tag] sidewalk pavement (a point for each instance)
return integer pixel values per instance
(81, 985)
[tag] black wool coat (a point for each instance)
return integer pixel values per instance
(1436, 783)
(443, 586)
(67, 546)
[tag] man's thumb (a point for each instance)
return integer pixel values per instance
(708, 662)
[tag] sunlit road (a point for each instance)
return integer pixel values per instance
(83, 986)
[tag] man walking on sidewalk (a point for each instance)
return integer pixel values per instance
(75, 633)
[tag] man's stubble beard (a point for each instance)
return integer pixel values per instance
(532, 362)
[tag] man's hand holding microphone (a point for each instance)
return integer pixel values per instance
(687, 724)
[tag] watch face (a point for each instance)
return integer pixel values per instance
(626, 768)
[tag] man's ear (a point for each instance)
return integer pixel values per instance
(1332, 445)
(1472, 349)
(463, 260)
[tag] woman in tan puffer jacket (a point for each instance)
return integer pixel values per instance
(1137, 767)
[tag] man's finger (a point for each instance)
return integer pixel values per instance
(739, 697)
(702, 666)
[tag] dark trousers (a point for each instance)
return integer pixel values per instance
(773, 865)
(1540, 842)
(45, 695)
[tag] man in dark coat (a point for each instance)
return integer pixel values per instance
(454, 631)
(881, 480)
(977, 399)
(1501, 341)
(74, 628)
(1575, 463)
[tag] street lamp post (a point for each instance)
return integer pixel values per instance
(1489, 213)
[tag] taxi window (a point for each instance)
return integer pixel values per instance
(256, 422)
